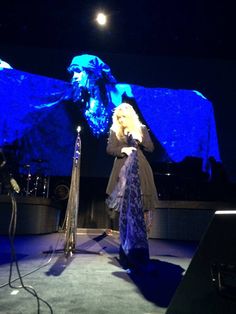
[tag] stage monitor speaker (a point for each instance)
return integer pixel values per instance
(209, 284)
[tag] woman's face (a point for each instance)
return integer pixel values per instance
(123, 120)
(80, 78)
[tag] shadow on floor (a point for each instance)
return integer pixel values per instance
(62, 262)
(157, 281)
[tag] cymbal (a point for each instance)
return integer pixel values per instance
(25, 165)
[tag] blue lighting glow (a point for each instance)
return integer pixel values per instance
(40, 114)
(181, 120)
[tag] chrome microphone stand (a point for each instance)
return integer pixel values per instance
(73, 200)
(71, 216)
(73, 203)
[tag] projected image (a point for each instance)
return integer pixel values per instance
(39, 115)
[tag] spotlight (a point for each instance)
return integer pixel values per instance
(101, 19)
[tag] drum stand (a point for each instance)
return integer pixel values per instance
(38, 182)
(28, 180)
(73, 206)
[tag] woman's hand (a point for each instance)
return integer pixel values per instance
(136, 137)
(128, 150)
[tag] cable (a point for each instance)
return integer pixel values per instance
(12, 229)
(38, 268)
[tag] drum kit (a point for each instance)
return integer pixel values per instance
(31, 177)
(33, 182)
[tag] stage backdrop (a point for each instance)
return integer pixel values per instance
(39, 117)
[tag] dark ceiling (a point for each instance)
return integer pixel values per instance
(203, 29)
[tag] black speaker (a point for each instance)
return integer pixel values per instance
(209, 284)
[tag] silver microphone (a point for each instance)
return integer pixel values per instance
(15, 185)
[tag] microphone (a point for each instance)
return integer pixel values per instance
(14, 185)
(131, 141)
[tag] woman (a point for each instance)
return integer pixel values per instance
(128, 134)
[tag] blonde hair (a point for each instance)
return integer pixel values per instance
(134, 125)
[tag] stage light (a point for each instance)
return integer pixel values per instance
(101, 19)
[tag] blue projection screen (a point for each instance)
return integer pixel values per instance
(38, 116)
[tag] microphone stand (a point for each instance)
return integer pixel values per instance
(73, 201)
(71, 216)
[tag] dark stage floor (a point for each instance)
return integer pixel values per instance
(89, 283)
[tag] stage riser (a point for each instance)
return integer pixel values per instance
(180, 224)
(174, 220)
(32, 217)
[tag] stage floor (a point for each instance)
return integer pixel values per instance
(85, 282)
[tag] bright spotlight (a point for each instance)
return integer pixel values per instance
(101, 19)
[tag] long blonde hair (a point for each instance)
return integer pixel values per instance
(134, 125)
